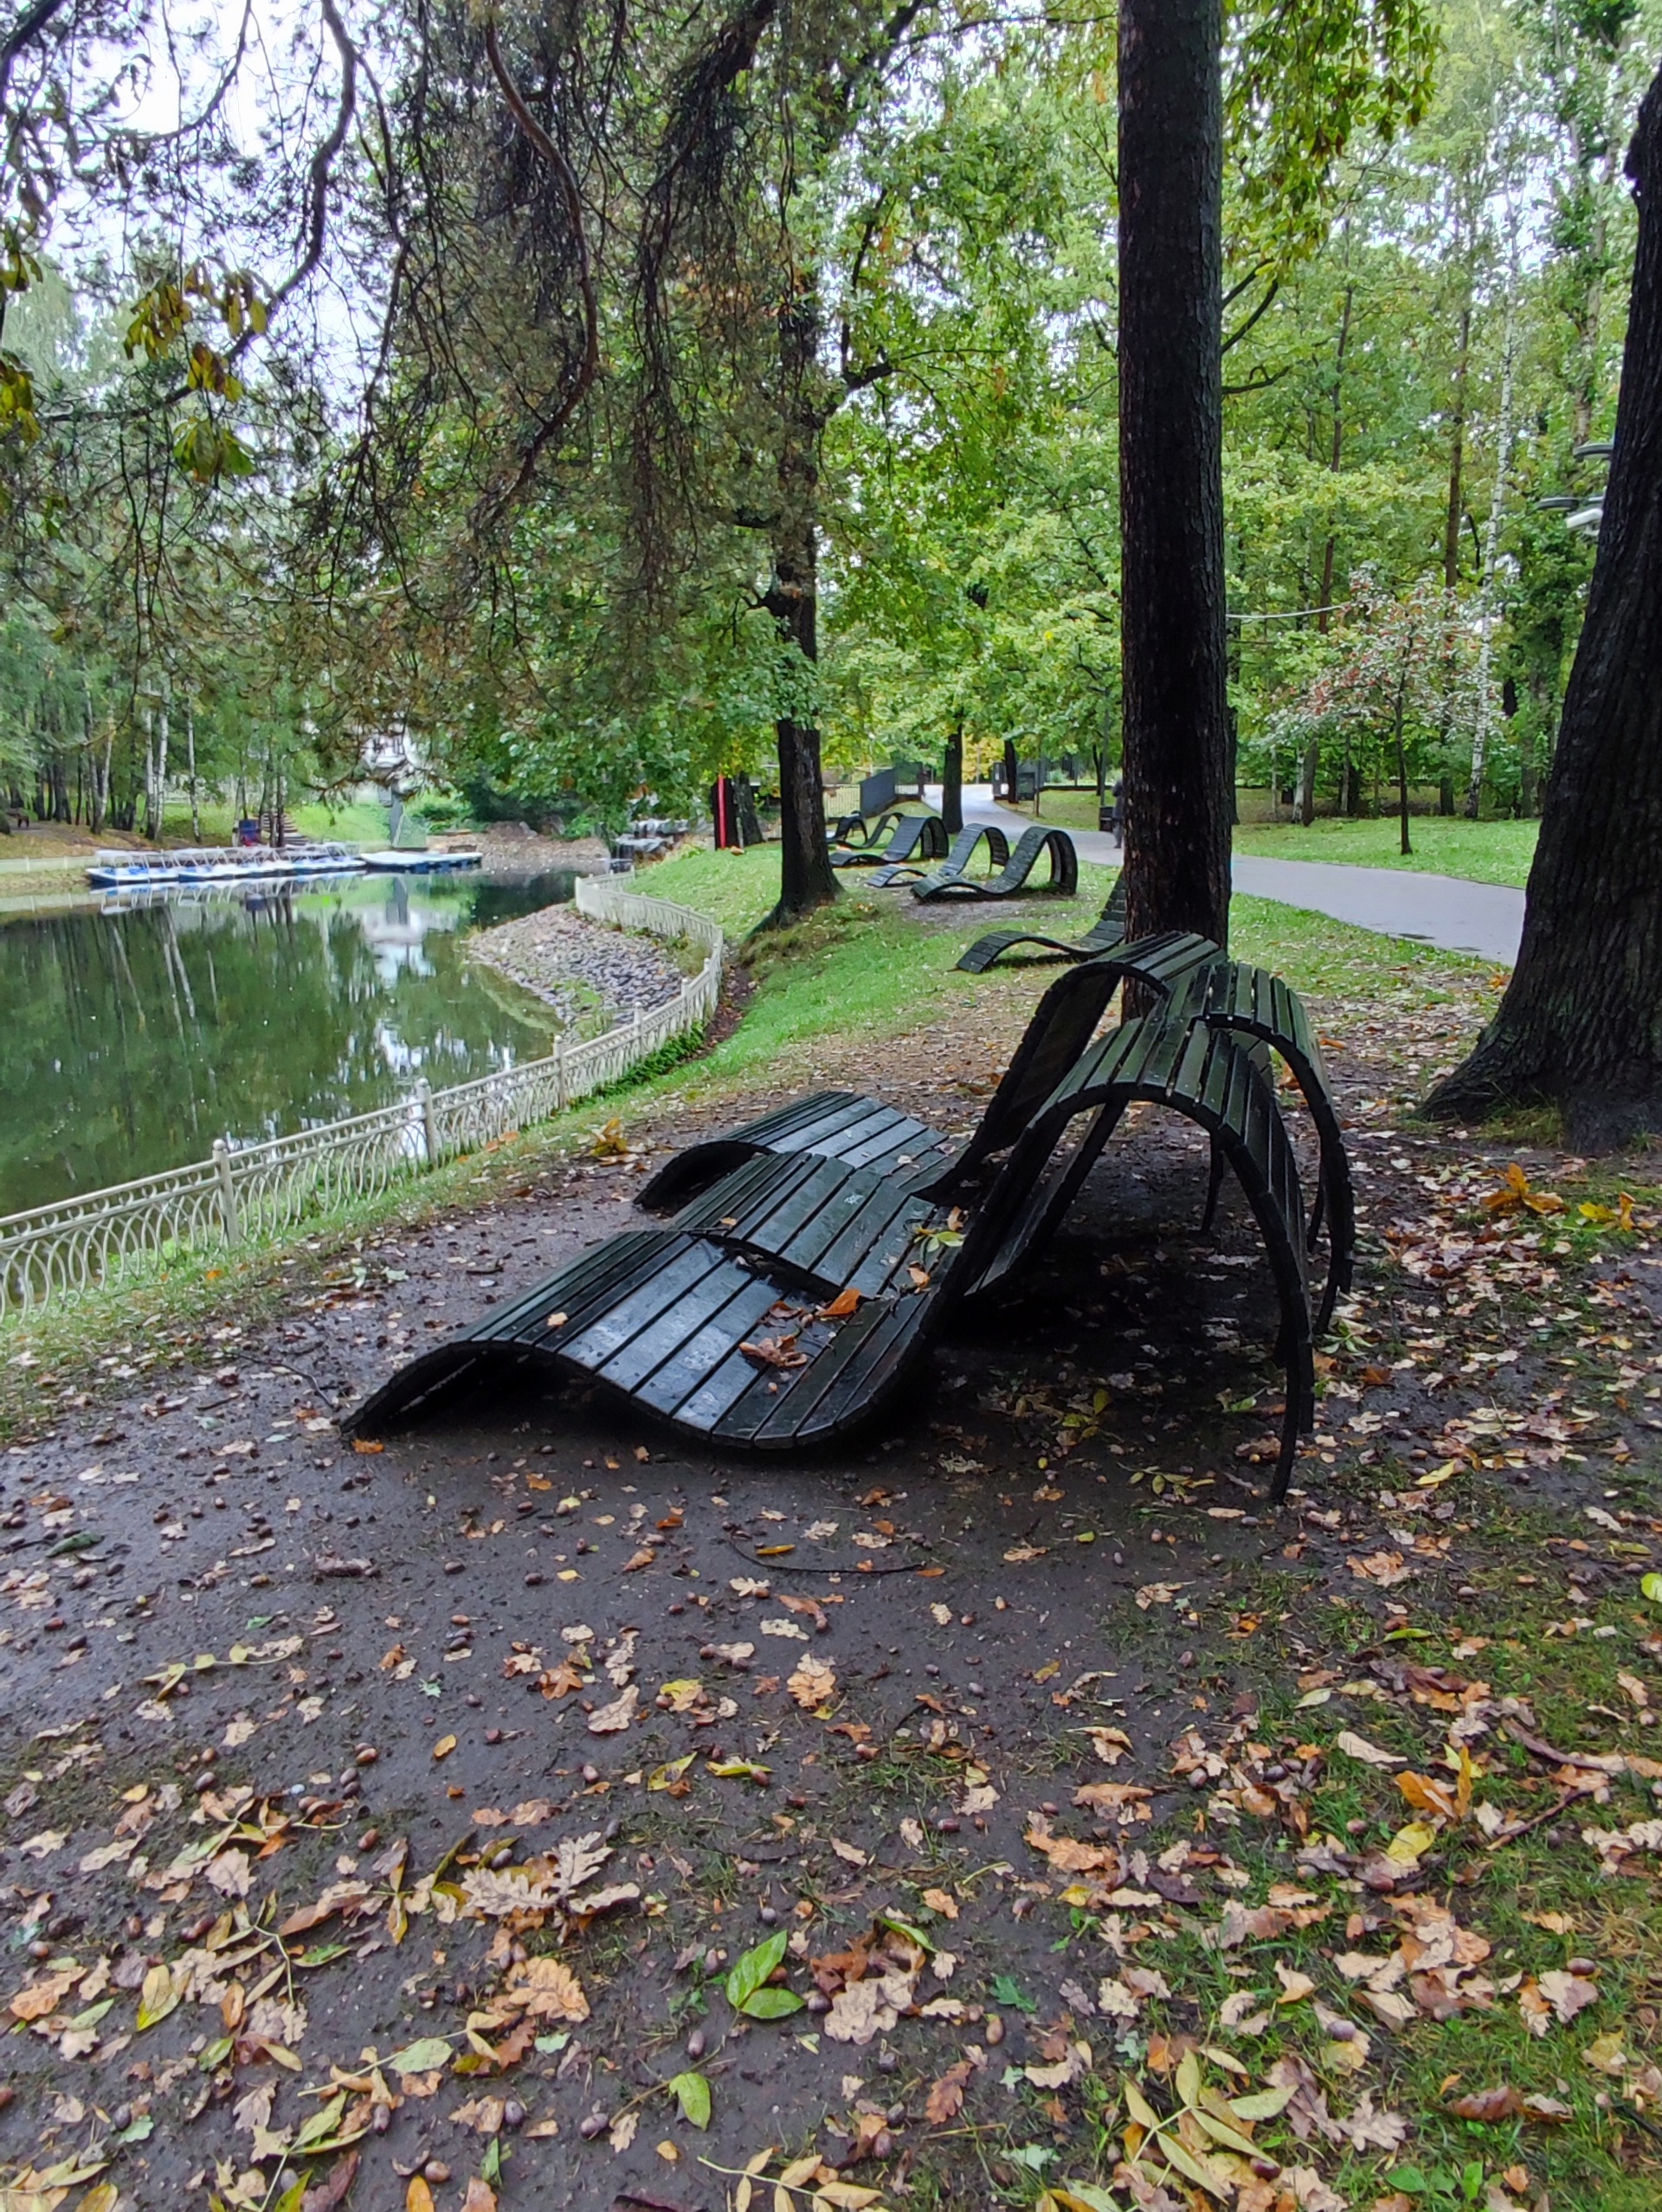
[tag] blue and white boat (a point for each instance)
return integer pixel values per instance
(125, 871)
(413, 861)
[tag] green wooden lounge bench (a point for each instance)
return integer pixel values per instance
(1210, 986)
(918, 838)
(719, 1323)
(959, 857)
(1102, 935)
(1056, 844)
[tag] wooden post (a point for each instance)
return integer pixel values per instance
(230, 1220)
(429, 1121)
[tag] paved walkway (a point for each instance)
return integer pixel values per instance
(1447, 911)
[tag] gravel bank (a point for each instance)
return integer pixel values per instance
(556, 953)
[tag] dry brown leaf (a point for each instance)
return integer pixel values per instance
(546, 1988)
(945, 2098)
(813, 1685)
(1358, 1747)
(610, 1720)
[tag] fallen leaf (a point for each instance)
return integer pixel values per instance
(611, 1719)
(813, 1685)
(692, 2092)
(867, 2007)
(443, 1748)
(546, 1988)
(1568, 1994)
(1358, 1747)
(945, 2098)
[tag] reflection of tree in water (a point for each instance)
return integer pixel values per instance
(128, 1042)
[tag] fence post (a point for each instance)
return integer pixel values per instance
(429, 1121)
(559, 1073)
(229, 1219)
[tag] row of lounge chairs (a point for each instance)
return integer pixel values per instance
(917, 838)
(812, 1258)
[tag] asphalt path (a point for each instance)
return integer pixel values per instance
(1447, 911)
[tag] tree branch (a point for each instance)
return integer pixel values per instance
(323, 160)
(578, 379)
(1235, 337)
(28, 27)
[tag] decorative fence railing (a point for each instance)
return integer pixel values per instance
(246, 1191)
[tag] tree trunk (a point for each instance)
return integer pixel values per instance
(1336, 450)
(952, 782)
(1307, 768)
(1457, 452)
(1173, 651)
(1487, 616)
(806, 879)
(1402, 766)
(191, 758)
(1581, 1025)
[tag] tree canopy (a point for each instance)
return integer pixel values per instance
(606, 399)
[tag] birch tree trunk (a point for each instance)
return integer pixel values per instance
(1503, 432)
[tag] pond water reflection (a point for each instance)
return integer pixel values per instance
(130, 1041)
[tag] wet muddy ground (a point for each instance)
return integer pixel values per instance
(281, 1714)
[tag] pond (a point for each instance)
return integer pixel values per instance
(130, 1041)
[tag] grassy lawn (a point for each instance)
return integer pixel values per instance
(1484, 852)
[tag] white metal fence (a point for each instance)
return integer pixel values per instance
(246, 1191)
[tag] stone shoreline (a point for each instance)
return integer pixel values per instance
(554, 952)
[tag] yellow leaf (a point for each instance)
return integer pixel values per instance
(157, 1997)
(443, 1748)
(418, 2197)
(1410, 1844)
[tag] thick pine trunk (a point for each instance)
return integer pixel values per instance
(1176, 766)
(1580, 1024)
(806, 879)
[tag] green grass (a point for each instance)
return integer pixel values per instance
(357, 822)
(1484, 852)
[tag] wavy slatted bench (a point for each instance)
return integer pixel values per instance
(1108, 931)
(1012, 876)
(958, 858)
(863, 1131)
(853, 829)
(917, 837)
(718, 1323)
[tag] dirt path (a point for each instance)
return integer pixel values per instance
(1044, 1761)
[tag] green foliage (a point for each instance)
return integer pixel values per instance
(748, 1989)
